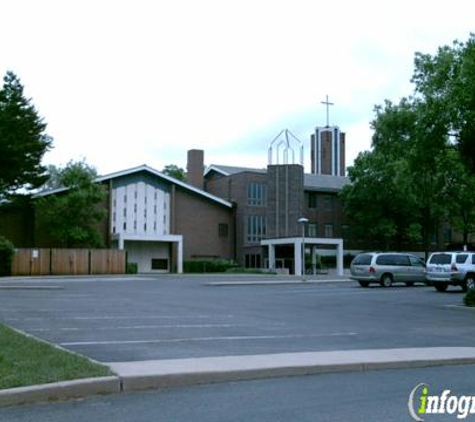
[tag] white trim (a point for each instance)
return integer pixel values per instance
(171, 238)
(309, 241)
(144, 167)
(217, 169)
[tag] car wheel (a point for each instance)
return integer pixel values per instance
(469, 283)
(441, 287)
(363, 283)
(386, 280)
(409, 283)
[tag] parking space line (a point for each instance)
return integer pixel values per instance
(135, 327)
(204, 339)
(119, 317)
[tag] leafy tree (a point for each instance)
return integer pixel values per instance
(415, 177)
(23, 140)
(71, 217)
(174, 171)
(447, 81)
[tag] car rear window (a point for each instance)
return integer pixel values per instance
(364, 259)
(440, 258)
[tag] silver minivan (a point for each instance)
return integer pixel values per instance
(387, 268)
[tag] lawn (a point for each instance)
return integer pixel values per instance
(26, 361)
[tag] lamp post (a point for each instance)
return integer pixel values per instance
(303, 222)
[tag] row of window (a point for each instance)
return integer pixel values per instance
(312, 202)
(257, 196)
(256, 229)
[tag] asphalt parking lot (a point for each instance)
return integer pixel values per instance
(142, 318)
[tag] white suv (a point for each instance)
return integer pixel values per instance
(451, 269)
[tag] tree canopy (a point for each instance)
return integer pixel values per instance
(174, 171)
(420, 171)
(23, 140)
(72, 217)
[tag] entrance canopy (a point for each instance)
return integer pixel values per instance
(298, 243)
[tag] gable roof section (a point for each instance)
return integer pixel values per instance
(230, 170)
(154, 172)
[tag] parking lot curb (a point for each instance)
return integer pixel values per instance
(137, 376)
(63, 390)
(143, 375)
(275, 282)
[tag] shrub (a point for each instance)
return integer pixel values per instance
(132, 268)
(6, 256)
(207, 265)
(469, 298)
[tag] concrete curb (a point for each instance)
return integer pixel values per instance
(137, 376)
(186, 372)
(275, 282)
(60, 390)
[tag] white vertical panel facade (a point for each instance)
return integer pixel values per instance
(140, 208)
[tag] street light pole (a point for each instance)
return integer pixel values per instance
(303, 221)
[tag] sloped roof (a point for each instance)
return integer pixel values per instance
(325, 182)
(229, 170)
(316, 182)
(154, 172)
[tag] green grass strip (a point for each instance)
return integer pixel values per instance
(25, 361)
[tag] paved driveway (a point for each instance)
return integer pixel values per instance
(141, 318)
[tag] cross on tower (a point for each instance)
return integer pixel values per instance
(328, 104)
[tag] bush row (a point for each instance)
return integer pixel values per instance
(207, 265)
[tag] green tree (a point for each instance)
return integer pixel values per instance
(414, 178)
(23, 140)
(174, 171)
(446, 80)
(71, 217)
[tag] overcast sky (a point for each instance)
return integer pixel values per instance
(123, 83)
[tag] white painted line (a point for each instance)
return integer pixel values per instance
(135, 327)
(197, 339)
(100, 318)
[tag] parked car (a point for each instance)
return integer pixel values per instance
(451, 269)
(387, 268)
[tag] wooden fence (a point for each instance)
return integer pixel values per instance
(45, 261)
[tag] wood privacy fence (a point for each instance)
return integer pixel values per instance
(46, 261)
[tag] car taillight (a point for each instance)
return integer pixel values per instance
(453, 267)
(372, 270)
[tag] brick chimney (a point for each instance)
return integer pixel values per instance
(195, 168)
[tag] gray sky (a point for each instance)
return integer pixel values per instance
(123, 83)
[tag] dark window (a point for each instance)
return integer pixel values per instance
(391, 259)
(328, 203)
(256, 228)
(364, 259)
(441, 258)
(312, 230)
(312, 200)
(461, 258)
(223, 229)
(329, 230)
(253, 261)
(416, 261)
(160, 264)
(257, 194)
